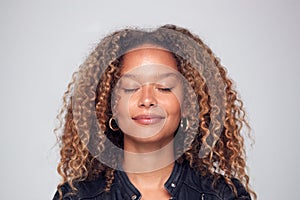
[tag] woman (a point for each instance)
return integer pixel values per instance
(151, 114)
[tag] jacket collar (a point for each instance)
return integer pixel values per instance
(172, 185)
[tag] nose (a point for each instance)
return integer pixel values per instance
(147, 98)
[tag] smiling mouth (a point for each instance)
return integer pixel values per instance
(148, 119)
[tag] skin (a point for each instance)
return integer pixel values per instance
(153, 110)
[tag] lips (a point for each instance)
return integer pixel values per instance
(148, 119)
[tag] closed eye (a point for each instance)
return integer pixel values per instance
(165, 89)
(129, 90)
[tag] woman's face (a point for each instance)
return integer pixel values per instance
(149, 95)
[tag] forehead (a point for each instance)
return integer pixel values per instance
(147, 55)
(151, 73)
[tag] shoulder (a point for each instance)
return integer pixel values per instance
(241, 191)
(67, 193)
(216, 187)
(85, 189)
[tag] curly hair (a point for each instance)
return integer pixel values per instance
(213, 144)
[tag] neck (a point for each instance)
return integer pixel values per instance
(144, 160)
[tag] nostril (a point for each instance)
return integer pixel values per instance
(147, 104)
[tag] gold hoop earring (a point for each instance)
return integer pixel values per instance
(184, 124)
(110, 125)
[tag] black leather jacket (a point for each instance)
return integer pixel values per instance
(183, 184)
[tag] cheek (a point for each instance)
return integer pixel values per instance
(126, 106)
(172, 106)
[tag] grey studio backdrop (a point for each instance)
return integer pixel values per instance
(43, 42)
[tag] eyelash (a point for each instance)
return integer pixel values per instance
(130, 90)
(135, 89)
(165, 89)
